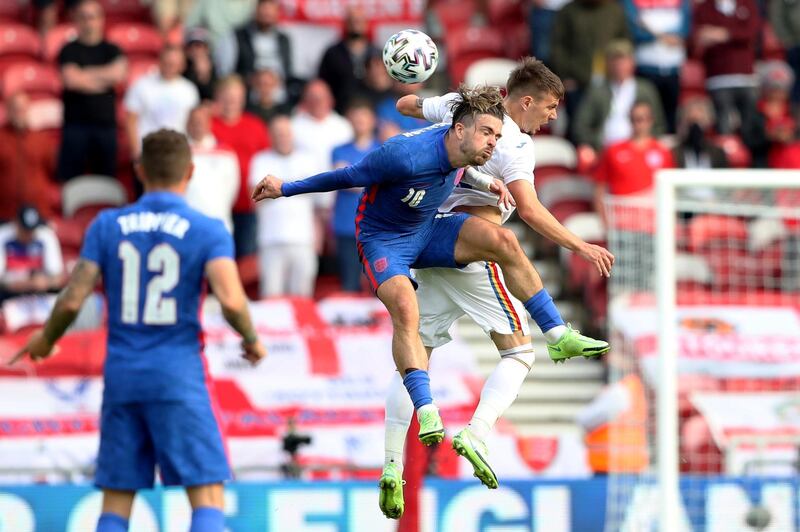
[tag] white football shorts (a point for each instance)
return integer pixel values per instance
(477, 290)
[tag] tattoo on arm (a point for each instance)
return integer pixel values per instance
(419, 102)
(81, 283)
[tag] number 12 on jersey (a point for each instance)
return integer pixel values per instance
(162, 260)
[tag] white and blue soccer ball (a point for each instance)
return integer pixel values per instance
(410, 56)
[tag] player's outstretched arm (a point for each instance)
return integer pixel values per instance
(227, 286)
(267, 188)
(81, 283)
(535, 214)
(410, 105)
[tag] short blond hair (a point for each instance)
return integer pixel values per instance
(477, 101)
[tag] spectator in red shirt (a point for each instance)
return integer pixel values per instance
(627, 167)
(246, 134)
(725, 33)
(27, 161)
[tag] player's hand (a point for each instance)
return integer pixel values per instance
(37, 348)
(599, 256)
(505, 199)
(254, 352)
(267, 188)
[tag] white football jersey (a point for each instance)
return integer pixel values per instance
(513, 158)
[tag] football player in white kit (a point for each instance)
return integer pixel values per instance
(478, 290)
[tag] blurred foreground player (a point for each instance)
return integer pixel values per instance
(154, 257)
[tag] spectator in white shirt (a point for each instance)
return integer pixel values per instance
(215, 182)
(30, 256)
(286, 229)
(162, 99)
(317, 127)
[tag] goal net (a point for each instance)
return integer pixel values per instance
(704, 313)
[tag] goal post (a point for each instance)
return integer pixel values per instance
(670, 226)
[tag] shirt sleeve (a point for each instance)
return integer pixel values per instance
(519, 164)
(66, 56)
(133, 98)
(439, 108)
(92, 241)
(389, 163)
(53, 261)
(220, 242)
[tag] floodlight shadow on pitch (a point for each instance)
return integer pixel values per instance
(91, 190)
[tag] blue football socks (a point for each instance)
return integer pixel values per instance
(207, 519)
(543, 311)
(109, 522)
(418, 384)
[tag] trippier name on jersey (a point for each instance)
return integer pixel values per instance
(147, 221)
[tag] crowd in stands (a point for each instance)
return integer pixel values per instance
(664, 83)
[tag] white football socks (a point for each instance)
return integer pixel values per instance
(399, 410)
(500, 389)
(554, 335)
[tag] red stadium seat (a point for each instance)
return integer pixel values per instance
(453, 14)
(138, 41)
(693, 79)
(55, 40)
(467, 45)
(771, 47)
(126, 11)
(15, 11)
(517, 39)
(248, 271)
(504, 12)
(36, 79)
(737, 152)
(18, 43)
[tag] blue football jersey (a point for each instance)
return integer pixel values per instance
(406, 181)
(152, 255)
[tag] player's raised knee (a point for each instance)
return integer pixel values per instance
(505, 243)
(405, 313)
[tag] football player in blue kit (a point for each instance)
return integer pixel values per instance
(398, 228)
(154, 257)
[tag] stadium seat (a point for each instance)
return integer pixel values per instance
(248, 272)
(38, 80)
(55, 40)
(139, 68)
(566, 195)
(69, 232)
(554, 152)
(18, 43)
(14, 11)
(693, 79)
(138, 41)
(83, 196)
(46, 113)
(503, 12)
(453, 14)
(467, 45)
(771, 47)
(737, 152)
(492, 71)
(517, 38)
(126, 11)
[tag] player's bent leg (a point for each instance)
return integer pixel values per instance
(116, 510)
(208, 502)
(480, 239)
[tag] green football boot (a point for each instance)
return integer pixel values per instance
(474, 450)
(390, 498)
(431, 429)
(574, 344)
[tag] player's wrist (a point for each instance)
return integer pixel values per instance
(250, 339)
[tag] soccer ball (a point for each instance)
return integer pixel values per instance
(410, 56)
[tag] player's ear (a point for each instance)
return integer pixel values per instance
(458, 127)
(526, 102)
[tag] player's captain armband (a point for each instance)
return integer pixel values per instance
(477, 179)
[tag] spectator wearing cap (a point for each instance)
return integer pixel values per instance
(603, 117)
(91, 68)
(724, 35)
(581, 31)
(343, 64)
(268, 96)
(772, 123)
(660, 29)
(27, 161)
(200, 68)
(246, 135)
(159, 100)
(784, 16)
(30, 256)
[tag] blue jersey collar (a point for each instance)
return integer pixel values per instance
(162, 197)
(441, 152)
